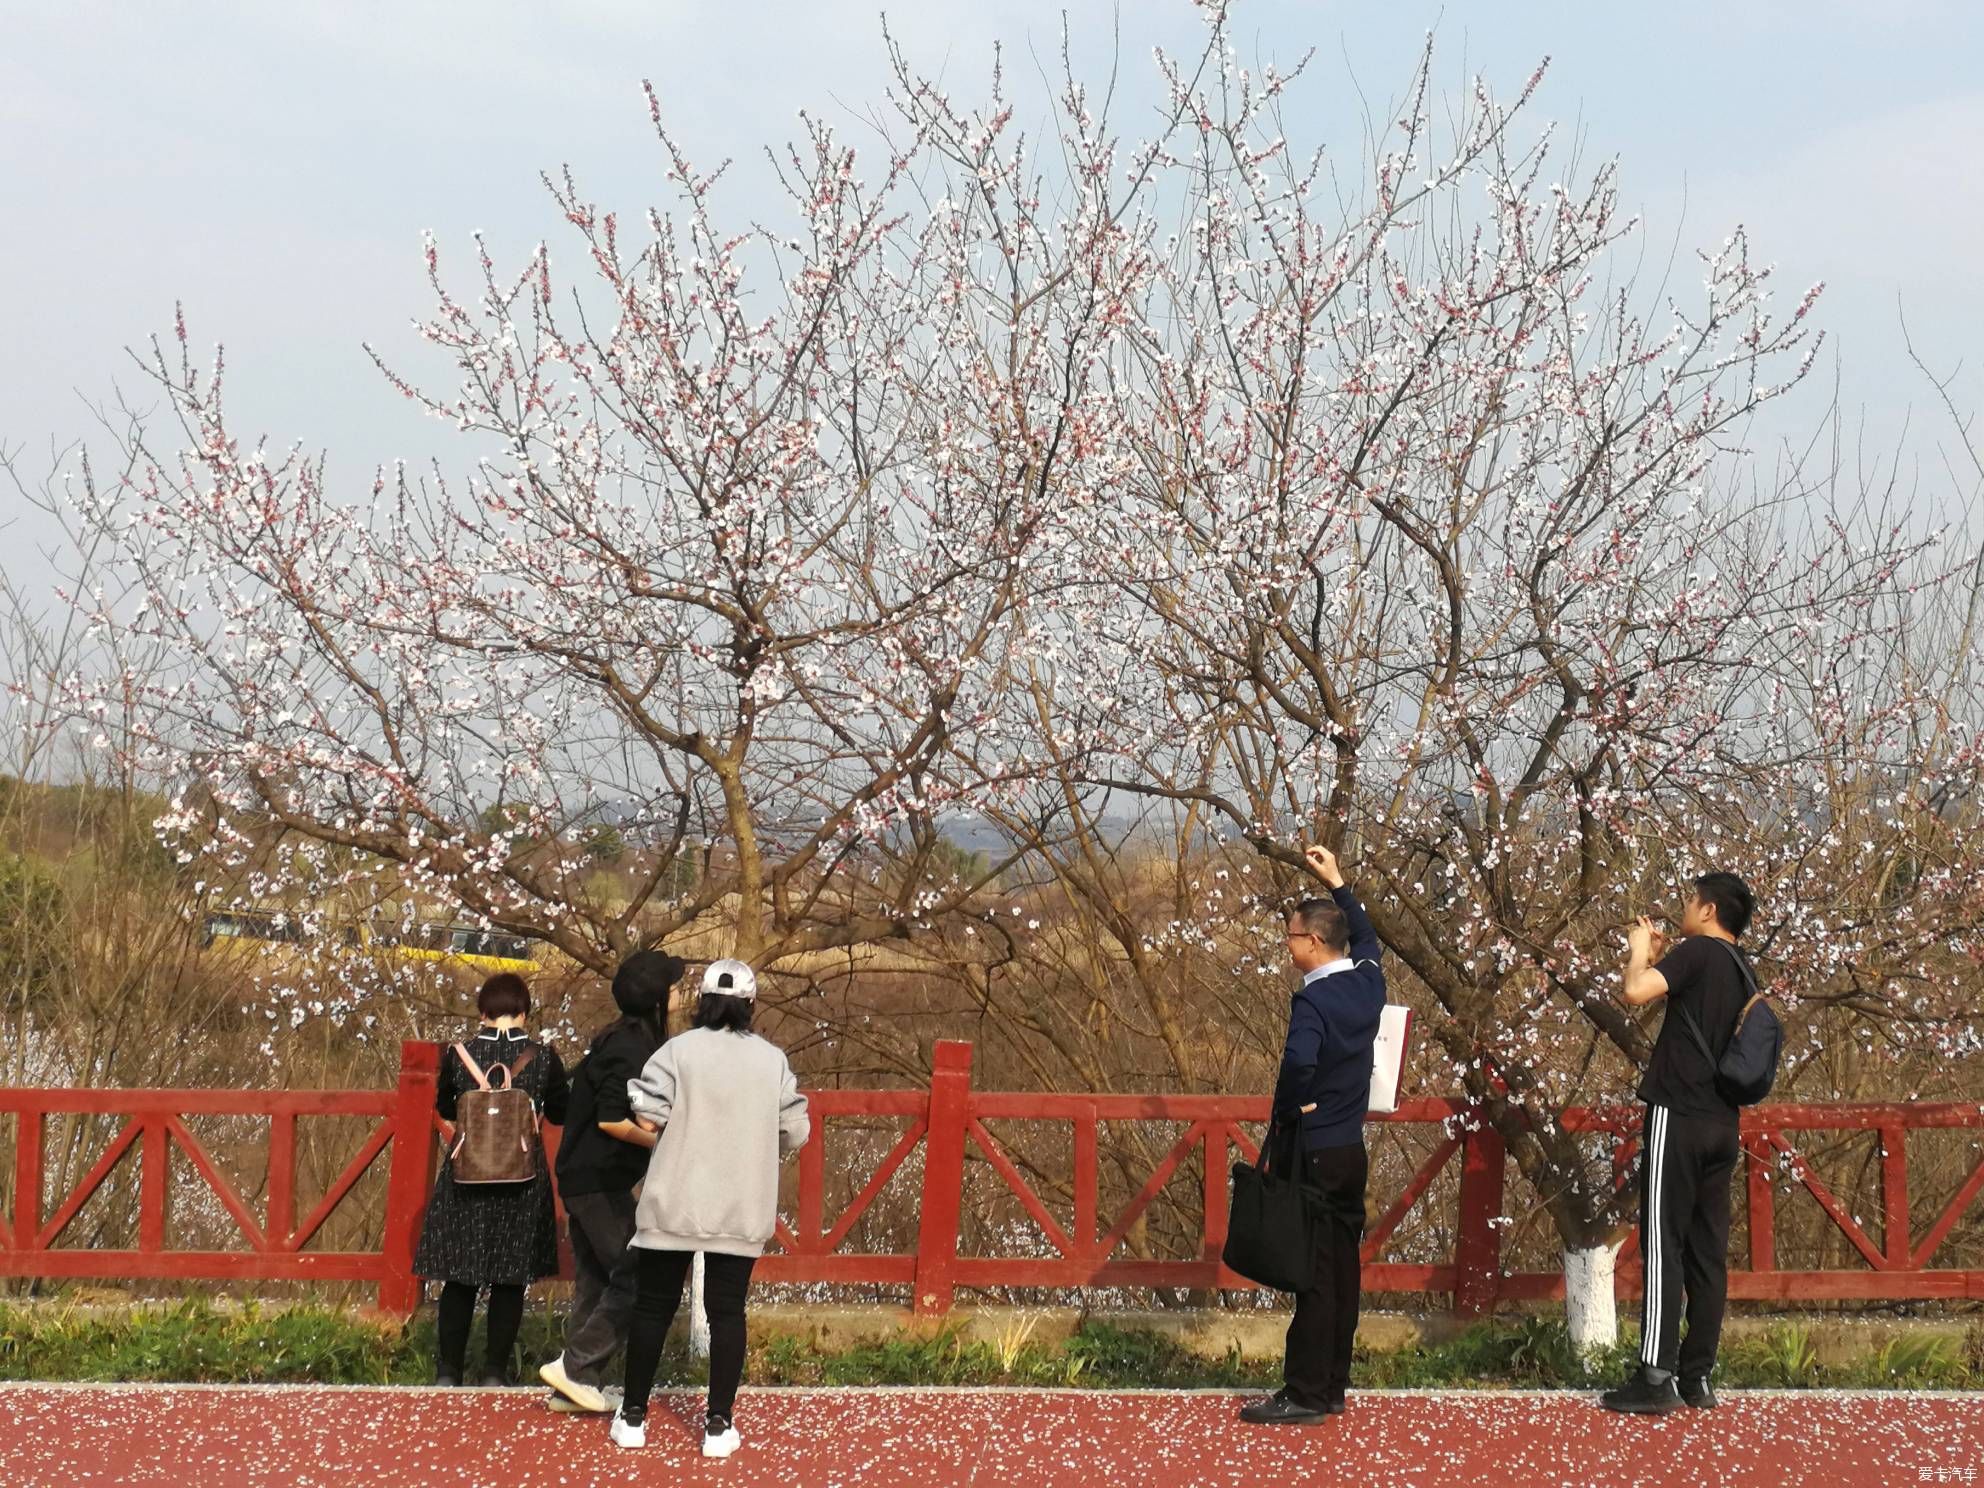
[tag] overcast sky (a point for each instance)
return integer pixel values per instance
(272, 165)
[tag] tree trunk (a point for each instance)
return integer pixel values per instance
(1589, 1307)
(699, 1321)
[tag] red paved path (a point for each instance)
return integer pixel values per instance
(64, 1436)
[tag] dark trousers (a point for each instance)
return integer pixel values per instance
(726, 1280)
(1685, 1167)
(601, 1226)
(1317, 1367)
(457, 1316)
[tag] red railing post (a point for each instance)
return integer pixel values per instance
(27, 1179)
(1763, 1205)
(1894, 1185)
(279, 1220)
(813, 1187)
(553, 1135)
(1087, 1182)
(1215, 1200)
(154, 1189)
(943, 1177)
(410, 1177)
(1478, 1246)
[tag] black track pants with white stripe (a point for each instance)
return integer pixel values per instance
(1685, 1167)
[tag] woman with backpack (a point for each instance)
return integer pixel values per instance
(491, 1222)
(728, 1112)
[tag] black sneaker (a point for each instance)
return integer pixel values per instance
(1279, 1409)
(1333, 1406)
(1696, 1393)
(1644, 1395)
(447, 1379)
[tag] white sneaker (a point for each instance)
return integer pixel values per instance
(720, 1438)
(586, 1397)
(625, 1433)
(558, 1405)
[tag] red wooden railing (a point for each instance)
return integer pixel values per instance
(949, 1123)
(154, 1123)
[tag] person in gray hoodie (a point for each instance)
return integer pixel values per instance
(728, 1112)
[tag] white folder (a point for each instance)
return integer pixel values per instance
(1388, 1056)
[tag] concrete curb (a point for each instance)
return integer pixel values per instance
(1056, 1391)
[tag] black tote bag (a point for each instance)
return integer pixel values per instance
(1271, 1223)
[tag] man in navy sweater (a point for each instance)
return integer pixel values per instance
(1325, 1085)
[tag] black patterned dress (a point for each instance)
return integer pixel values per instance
(494, 1234)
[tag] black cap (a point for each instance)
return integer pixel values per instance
(643, 981)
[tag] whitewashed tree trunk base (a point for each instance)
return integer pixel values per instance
(699, 1323)
(1589, 1308)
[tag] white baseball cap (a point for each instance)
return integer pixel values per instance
(728, 978)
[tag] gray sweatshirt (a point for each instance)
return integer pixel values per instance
(730, 1112)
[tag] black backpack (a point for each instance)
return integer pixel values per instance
(1748, 1066)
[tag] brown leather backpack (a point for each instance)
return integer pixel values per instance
(495, 1127)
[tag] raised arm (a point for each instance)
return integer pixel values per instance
(1363, 939)
(1641, 983)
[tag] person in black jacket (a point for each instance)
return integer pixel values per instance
(603, 1156)
(1690, 1144)
(1321, 1097)
(502, 1236)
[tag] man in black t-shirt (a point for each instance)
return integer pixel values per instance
(1690, 1145)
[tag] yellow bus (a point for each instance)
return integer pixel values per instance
(466, 945)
